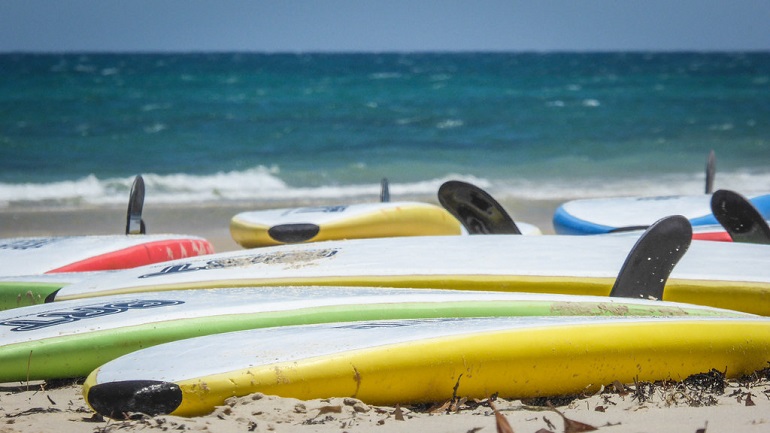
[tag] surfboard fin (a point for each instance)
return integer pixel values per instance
(653, 257)
(711, 169)
(739, 217)
(134, 222)
(478, 212)
(384, 190)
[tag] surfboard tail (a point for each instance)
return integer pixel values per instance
(119, 400)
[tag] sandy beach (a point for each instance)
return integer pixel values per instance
(676, 408)
(688, 407)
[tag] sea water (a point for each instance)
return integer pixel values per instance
(76, 128)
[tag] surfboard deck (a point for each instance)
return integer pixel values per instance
(72, 338)
(718, 274)
(604, 215)
(429, 360)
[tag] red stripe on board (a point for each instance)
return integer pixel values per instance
(713, 236)
(144, 254)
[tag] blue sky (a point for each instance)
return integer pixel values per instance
(383, 25)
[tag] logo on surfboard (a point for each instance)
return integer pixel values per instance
(46, 320)
(27, 244)
(321, 209)
(293, 258)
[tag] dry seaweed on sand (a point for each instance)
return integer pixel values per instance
(696, 390)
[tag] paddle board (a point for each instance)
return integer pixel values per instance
(353, 221)
(71, 338)
(605, 215)
(719, 274)
(425, 360)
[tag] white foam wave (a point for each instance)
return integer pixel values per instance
(256, 184)
(265, 184)
(663, 185)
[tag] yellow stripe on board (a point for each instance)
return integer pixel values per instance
(516, 364)
(749, 297)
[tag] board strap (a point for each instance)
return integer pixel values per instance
(653, 257)
(739, 217)
(478, 212)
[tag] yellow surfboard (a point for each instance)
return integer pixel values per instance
(354, 221)
(410, 361)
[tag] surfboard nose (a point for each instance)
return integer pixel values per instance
(293, 233)
(119, 400)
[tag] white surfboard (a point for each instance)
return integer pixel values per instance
(724, 275)
(428, 360)
(604, 215)
(71, 338)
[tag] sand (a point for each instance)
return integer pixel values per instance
(41, 407)
(680, 408)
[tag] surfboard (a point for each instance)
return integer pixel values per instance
(70, 339)
(425, 360)
(719, 274)
(352, 221)
(605, 215)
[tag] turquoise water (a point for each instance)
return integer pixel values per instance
(75, 129)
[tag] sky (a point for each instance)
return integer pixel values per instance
(383, 25)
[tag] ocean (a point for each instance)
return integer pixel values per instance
(248, 127)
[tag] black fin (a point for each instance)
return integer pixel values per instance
(120, 400)
(653, 257)
(384, 190)
(134, 222)
(711, 169)
(478, 212)
(52, 296)
(739, 217)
